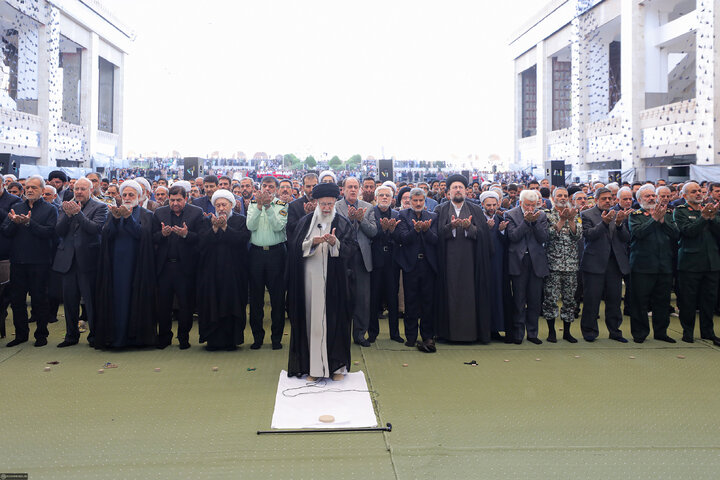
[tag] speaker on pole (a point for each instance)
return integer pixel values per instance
(557, 173)
(385, 170)
(615, 176)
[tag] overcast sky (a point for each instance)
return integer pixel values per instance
(410, 79)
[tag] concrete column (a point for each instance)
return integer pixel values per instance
(119, 105)
(579, 59)
(597, 77)
(518, 118)
(633, 84)
(89, 95)
(707, 40)
(50, 86)
(544, 103)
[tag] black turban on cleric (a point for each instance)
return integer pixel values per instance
(324, 190)
(456, 178)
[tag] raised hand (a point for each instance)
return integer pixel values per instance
(621, 216)
(70, 208)
(659, 213)
(166, 230)
(491, 223)
(330, 238)
(709, 211)
(417, 225)
(310, 206)
(181, 231)
(392, 223)
(503, 225)
(465, 223)
(360, 214)
(608, 216)
(455, 222)
(426, 225)
(115, 211)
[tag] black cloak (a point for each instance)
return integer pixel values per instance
(483, 251)
(142, 327)
(221, 310)
(338, 293)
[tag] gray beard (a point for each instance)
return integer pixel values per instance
(132, 204)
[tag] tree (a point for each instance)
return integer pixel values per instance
(289, 159)
(353, 162)
(335, 163)
(310, 162)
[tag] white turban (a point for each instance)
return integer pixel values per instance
(184, 184)
(223, 194)
(11, 177)
(325, 173)
(485, 195)
(131, 184)
(390, 184)
(144, 183)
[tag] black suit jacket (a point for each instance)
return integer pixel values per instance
(600, 238)
(383, 244)
(296, 211)
(187, 247)
(525, 237)
(80, 237)
(414, 242)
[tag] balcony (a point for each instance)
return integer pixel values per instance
(669, 130)
(20, 133)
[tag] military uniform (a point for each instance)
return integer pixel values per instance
(267, 268)
(698, 267)
(563, 261)
(651, 265)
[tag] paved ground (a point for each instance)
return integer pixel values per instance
(601, 410)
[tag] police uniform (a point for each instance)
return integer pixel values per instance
(698, 267)
(564, 263)
(267, 268)
(651, 265)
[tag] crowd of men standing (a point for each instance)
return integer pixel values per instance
(458, 262)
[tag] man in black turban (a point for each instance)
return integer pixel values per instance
(319, 290)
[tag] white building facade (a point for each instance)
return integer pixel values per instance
(625, 86)
(62, 67)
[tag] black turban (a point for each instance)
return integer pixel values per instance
(323, 190)
(456, 178)
(402, 192)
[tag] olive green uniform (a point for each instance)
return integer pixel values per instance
(698, 267)
(651, 266)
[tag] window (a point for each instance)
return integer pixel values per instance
(614, 75)
(529, 102)
(106, 92)
(561, 94)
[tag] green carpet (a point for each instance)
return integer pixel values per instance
(546, 412)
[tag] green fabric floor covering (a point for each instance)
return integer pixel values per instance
(546, 412)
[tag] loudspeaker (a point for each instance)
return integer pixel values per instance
(615, 176)
(466, 174)
(385, 171)
(557, 173)
(7, 165)
(192, 168)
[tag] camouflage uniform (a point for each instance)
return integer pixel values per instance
(563, 262)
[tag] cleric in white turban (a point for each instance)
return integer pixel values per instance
(125, 293)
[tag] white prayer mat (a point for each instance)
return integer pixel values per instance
(299, 403)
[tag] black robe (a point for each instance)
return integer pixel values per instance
(481, 269)
(142, 327)
(337, 295)
(221, 310)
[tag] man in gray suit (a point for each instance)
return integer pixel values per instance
(527, 231)
(604, 262)
(362, 218)
(79, 224)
